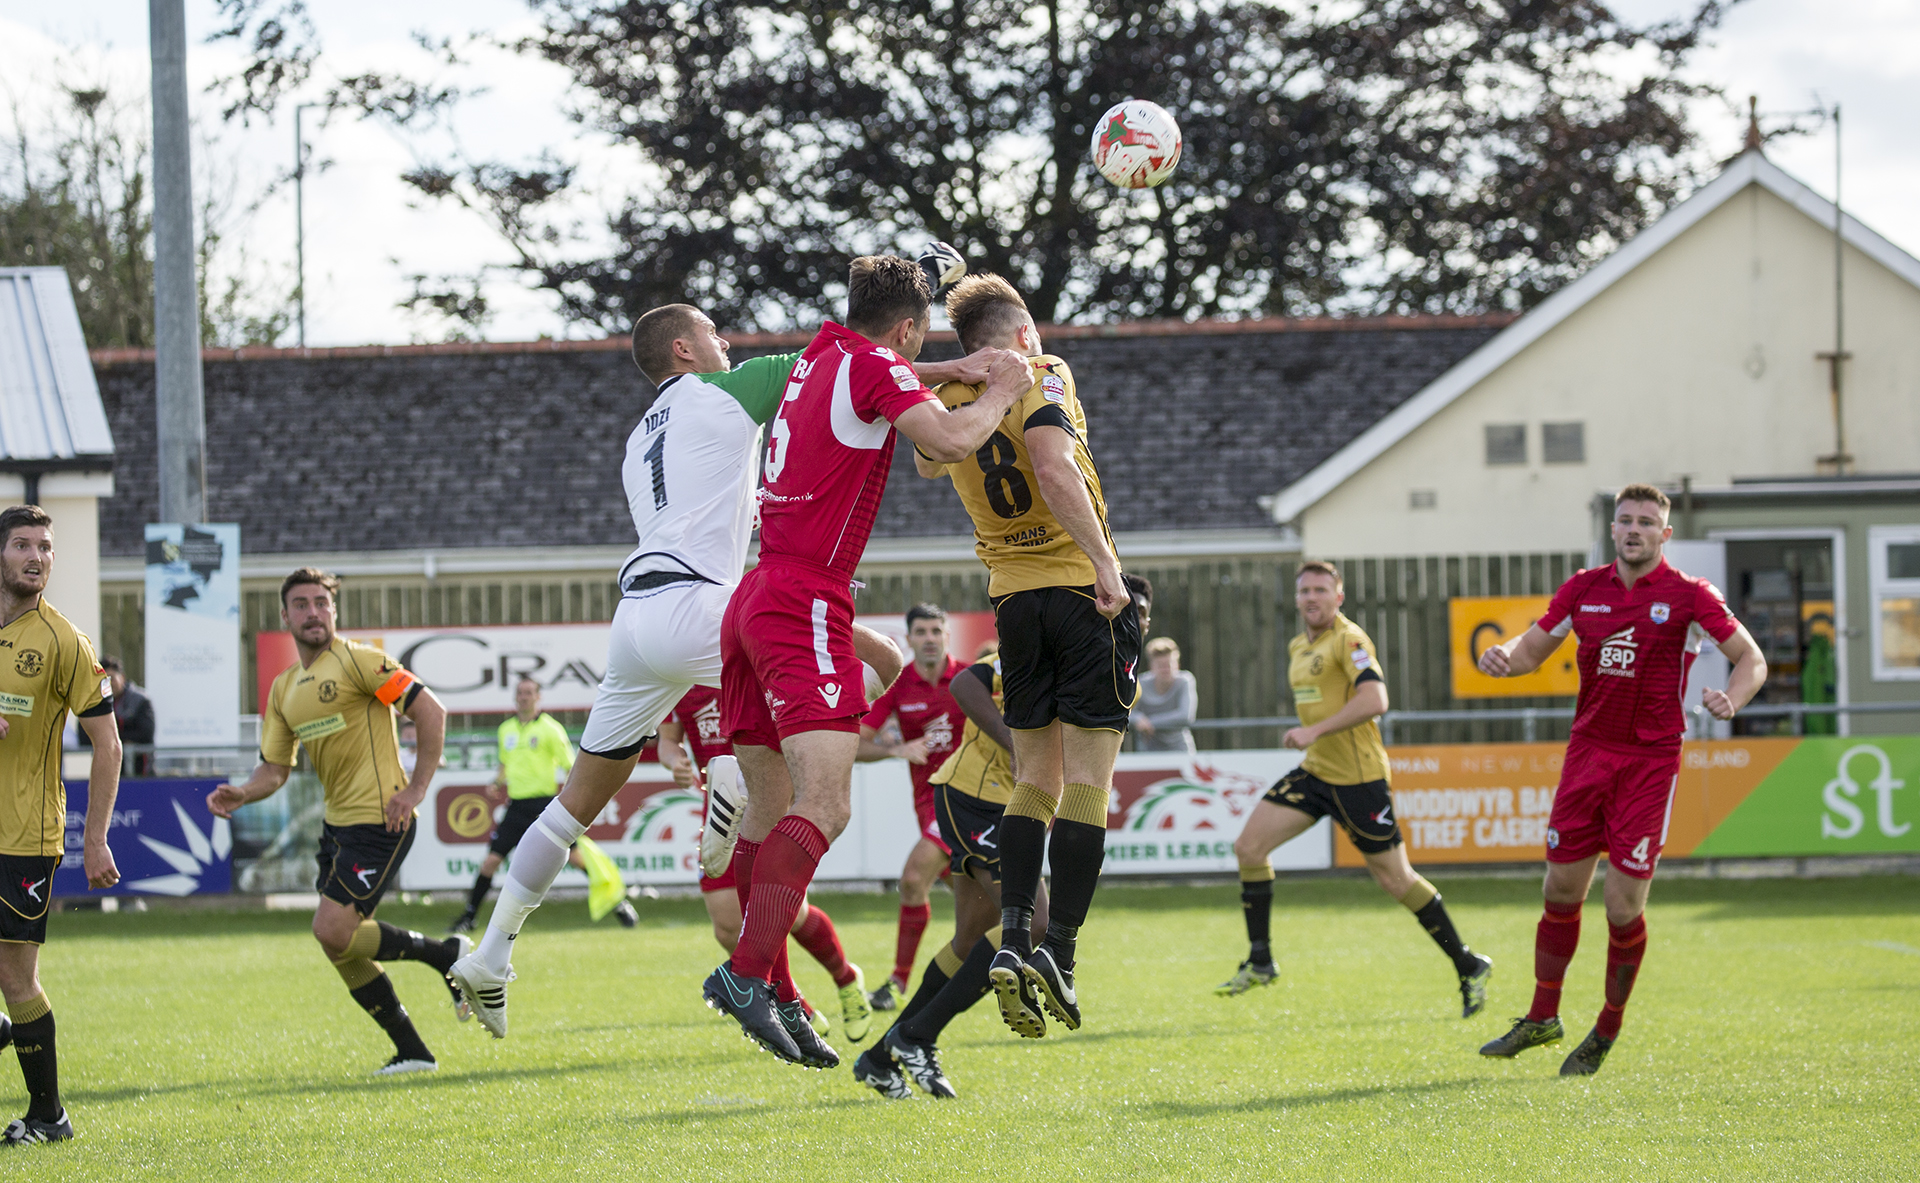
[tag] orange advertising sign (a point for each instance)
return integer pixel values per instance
(1481, 622)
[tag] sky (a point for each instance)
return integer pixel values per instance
(366, 233)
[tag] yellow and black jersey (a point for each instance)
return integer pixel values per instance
(47, 668)
(1323, 673)
(979, 767)
(1023, 545)
(341, 707)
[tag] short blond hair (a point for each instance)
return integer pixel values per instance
(1321, 567)
(985, 310)
(1639, 492)
(1160, 645)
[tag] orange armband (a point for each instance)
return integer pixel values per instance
(395, 688)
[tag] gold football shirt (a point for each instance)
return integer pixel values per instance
(1023, 545)
(47, 668)
(341, 707)
(1323, 674)
(979, 767)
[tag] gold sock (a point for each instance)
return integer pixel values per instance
(1086, 804)
(1029, 801)
(1263, 873)
(948, 961)
(31, 1009)
(355, 963)
(1419, 895)
(993, 934)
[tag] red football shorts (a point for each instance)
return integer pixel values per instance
(929, 824)
(786, 655)
(1614, 799)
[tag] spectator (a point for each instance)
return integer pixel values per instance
(1169, 701)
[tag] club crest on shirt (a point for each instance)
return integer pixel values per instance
(905, 377)
(29, 663)
(1660, 613)
(1053, 388)
(1361, 658)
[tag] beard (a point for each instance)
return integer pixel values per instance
(14, 580)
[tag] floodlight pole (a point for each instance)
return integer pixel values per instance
(179, 396)
(300, 221)
(1840, 461)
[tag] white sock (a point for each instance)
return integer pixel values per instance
(535, 861)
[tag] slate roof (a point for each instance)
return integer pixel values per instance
(521, 445)
(50, 414)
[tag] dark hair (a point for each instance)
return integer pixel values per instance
(1139, 585)
(925, 612)
(15, 517)
(883, 290)
(1321, 567)
(1630, 493)
(309, 575)
(111, 664)
(656, 331)
(985, 310)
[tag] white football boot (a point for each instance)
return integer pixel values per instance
(485, 992)
(726, 807)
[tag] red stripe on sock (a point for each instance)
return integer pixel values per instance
(1626, 948)
(914, 919)
(817, 936)
(1554, 941)
(782, 870)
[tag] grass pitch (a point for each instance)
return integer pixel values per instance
(1774, 1034)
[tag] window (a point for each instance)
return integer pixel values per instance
(1563, 443)
(1506, 443)
(1894, 564)
(1423, 499)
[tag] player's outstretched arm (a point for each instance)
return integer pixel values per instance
(103, 785)
(265, 782)
(1369, 701)
(430, 724)
(971, 369)
(1748, 675)
(945, 436)
(1064, 488)
(1522, 655)
(878, 650)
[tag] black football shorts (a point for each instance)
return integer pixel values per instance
(1364, 811)
(971, 829)
(26, 890)
(521, 813)
(357, 863)
(1060, 659)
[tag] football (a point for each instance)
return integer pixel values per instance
(1136, 144)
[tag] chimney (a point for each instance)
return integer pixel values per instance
(1753, 123)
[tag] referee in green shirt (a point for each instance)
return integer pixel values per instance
(535, 755)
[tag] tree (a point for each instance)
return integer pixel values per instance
(1396, 156)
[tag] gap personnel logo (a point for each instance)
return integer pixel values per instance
(1617, 653)
(29, 663)
(1660, 612)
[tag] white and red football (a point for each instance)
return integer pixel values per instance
(1136, 145)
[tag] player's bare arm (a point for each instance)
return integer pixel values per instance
(913, 751)
(971, 369)
(103, 785)
(673, 755)
(878, 651)
(266, 780)
(1369, 701)
(1064, 488)
(976, 703)
(950, 436)
(430, 722)
(1522, 655)
(1743, 682)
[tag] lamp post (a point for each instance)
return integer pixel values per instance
(300, 221)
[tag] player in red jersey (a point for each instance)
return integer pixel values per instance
(1640, 623)
(791, 686)
(689, 740)
(930, 723)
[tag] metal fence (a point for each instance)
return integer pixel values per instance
(1533, 722)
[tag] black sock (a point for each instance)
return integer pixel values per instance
(1433, 917)
(33, 1043)
(1023, 844)
(1076, 856)
(962, 991)
(1256, 901)
(399, 944)
(932, 980)
(482, 884)
(383, 1006)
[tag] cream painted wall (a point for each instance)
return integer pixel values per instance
(1698, 362)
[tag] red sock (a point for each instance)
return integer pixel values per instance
(913, 924)
(744, 853)
(1626, 946)
(782, 870)
(817, 936)
(1553, 944)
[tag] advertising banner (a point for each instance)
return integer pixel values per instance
(1480, 622)
(1170, 815)
(473, 670)
(1756, 798)
(193, 634)
(163, 840)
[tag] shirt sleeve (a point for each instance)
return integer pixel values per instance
(1711, 613)
(561, 744)
(382, 677)
(1050, 401)
(1358, 658)
(1558, 620)
(887, 387)
(882, 707)
(757, 384)
(278, 745)
(86, 686)
(500, 745)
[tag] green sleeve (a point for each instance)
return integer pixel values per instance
(757, 384)
(500, 746)
(562, 744)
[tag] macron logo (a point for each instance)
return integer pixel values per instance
(1596, 607)
(831, 692)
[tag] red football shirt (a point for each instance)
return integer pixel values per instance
(699, 716)
(1636, 648)
(831, 448)
(926, 711)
